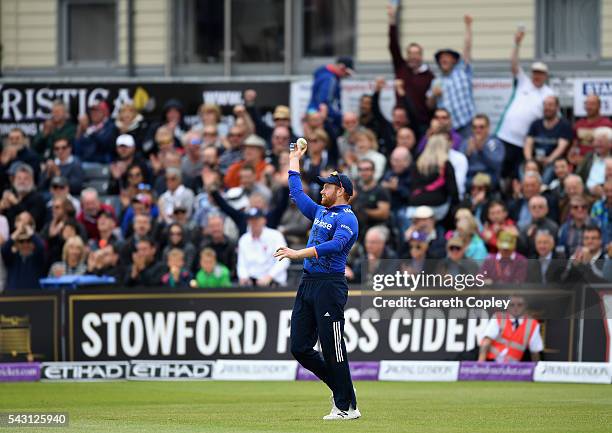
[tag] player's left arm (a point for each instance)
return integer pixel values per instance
(345, 228)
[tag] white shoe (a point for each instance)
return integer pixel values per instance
(354, 413)
(342, 414)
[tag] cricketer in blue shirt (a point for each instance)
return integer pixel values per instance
(318, 311)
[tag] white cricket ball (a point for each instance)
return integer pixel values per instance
(302, 144)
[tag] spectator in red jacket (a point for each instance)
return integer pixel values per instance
(92, 207)
(584, 128)
(415, 74)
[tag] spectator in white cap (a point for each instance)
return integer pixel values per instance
(525, 106)
(253, 153)
(176, 195)
(257, 265)
(423, 221)
(120, 169)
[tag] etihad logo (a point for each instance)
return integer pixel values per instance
(320, 223)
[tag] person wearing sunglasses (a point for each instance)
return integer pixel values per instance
(323, 291)
(233, 147)
(418, 246)
(60, 189)
(456, 262)
(63, 164)
(571, 231)
(129, 168)
(509, 334)
(485, 152)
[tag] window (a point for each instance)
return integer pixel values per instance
(260, 36)
(256, 33)
(569, 29)
(199, 32)
(328, 28)
(90, 31)
(258, 29)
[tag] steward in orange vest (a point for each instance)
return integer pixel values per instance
(509, 334)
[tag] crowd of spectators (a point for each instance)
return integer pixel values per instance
(207, 205)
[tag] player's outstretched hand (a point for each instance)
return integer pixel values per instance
(295, 152)
(285, 253)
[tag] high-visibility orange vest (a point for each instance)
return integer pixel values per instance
(511, 344)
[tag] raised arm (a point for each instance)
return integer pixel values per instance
(514, 58)
(234, 214)
(394, 47)
(467, 41)
(379, 85)
(404, 100)
(303, 202)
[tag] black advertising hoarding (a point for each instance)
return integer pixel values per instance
(28, 104)
(255, 325)
(29, 327)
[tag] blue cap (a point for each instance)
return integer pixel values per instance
(346, 61)
(338, 179)
(255, 213)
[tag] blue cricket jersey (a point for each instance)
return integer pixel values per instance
(333, 233)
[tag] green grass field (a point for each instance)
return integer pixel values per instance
(298, 407)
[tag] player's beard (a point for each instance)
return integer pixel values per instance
(328, 201)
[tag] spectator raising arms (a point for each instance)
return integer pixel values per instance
(415, 75)
(524, 107)
(453, 89)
